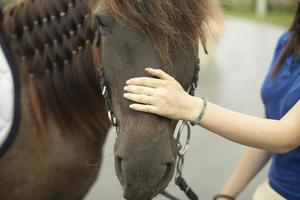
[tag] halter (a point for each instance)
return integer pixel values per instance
(182, 150)
(106, 95)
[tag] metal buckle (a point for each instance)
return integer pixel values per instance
(182, 150)
(104, 89)
(179, 167)
(112, 118)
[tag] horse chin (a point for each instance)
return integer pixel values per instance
(136, 188)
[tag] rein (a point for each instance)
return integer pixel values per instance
(182, 150)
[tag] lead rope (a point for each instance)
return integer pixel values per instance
(179, 180)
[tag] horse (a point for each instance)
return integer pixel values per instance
(135, 34)
(57, 151)
(62, 49)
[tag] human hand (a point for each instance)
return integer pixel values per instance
(163, 96)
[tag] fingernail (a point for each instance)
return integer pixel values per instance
(131, 106)
(125, 88)
(127, 82)
(125, 95)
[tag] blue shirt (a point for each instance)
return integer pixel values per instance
(279, 96)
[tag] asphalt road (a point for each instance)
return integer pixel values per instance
(232, 78)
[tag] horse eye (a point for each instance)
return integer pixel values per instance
(99, 22)
(104, 30)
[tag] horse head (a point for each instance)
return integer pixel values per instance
(134, 35)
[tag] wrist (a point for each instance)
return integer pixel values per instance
(196, 106)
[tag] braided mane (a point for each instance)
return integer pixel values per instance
(51, 41)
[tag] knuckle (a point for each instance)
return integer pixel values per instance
(132, 89)
(154, 99)
(143, 80)
(163, 93)
(140, 90)
(153, 109)
(159, 93)
(164, 101)
(168, 83)
(140, 98)
(146, 81)
(164, 83)
(148, 109)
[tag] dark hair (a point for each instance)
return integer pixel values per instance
(167, 22)
(52, 44)
(292, 48)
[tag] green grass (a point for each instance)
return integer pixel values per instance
(282, 17)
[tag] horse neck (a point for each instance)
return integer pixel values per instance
(52, 44)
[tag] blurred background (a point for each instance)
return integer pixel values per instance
(273, 11)
(240, 53)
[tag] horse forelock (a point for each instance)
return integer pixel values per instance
(168, 23)
(52, 44)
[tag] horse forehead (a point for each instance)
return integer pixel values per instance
(101, 7)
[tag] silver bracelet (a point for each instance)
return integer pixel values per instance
(204, 108)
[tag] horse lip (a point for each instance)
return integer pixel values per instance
(165, 180)
(156, 188)
(149, 197)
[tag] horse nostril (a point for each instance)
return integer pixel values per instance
(141, 180)
(118, 167)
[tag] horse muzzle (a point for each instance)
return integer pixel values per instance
(141, 179)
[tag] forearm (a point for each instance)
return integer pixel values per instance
(166, 97)
(270, 135)
(249, 165)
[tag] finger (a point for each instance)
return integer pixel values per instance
(139, 90)
(145, 108)
(159, 74)
(144, 81)
(138, 98)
